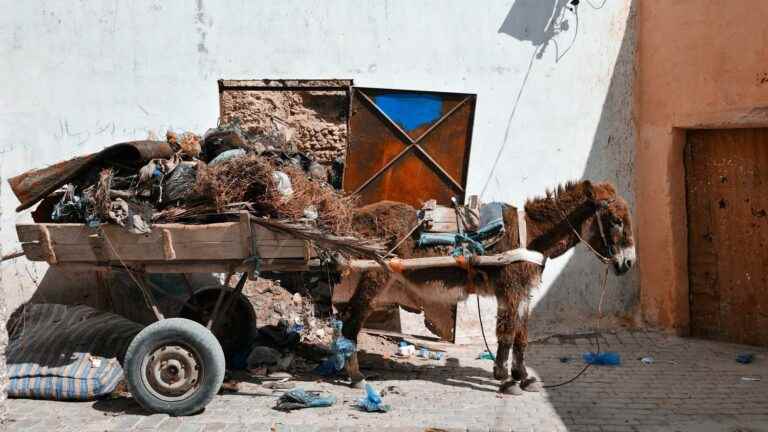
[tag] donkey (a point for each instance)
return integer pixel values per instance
(577, 211)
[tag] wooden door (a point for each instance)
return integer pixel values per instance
(408, 146)
(727, 199)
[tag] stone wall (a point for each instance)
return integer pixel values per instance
(316, 120)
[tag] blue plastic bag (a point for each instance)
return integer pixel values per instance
(486, 355)
(608, 358)
(372, 401)
(299, 398)
(341, 349)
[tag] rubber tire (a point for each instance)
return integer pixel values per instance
(168, 332)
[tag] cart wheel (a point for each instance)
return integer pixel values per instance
(232, 327)
(174, 366)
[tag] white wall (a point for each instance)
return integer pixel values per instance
(77, 76)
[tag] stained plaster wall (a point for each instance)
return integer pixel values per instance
(553, 85)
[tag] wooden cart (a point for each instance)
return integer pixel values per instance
(174, 365)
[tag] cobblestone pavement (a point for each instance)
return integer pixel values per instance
(693, 385)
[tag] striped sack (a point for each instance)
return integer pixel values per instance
(66, 352)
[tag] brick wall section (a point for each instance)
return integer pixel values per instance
(318, 119)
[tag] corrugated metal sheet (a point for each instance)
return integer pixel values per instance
(32, 186)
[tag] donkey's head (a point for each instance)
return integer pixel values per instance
(609, 229)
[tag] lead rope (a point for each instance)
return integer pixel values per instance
(597, 331)
(597, 337)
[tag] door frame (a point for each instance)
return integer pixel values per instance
(739, 118)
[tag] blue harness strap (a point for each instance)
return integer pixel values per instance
(491, 224)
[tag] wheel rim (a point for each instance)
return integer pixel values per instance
(172, 372)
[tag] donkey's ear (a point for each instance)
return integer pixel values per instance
(589, 190)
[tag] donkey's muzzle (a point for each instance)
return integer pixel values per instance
(624, 260)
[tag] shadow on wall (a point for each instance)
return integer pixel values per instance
(611, 158)
(554, 24)
(540, 22)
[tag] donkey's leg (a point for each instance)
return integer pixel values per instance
(358, 310)
(519, 371)
(505, 332)
(506, 324)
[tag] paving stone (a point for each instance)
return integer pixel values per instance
(151, 422)
(703, 388)
(126, 422)
(190, 427)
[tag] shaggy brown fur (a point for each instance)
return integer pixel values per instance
(549, 226)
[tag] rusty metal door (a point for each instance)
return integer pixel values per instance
(408, 146)
(727, 199)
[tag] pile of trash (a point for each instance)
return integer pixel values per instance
(191, 179)
(307, 314)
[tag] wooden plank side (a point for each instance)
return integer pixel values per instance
(221, 241)
(78, 233)
(202, 251)
(727, 184)
(64, 253)
(225, 232)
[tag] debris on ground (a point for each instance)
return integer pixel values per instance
(284, 321)
(745, 358)
(299, 398)
(392, 390)
(647, 360)
(230, 386)
(405, 349)
(263, 356)
(608, 358)
(372, 401)
(279, 385)
(341, 349)
(485, 355)
(426, 354)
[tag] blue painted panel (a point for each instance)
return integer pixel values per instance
(410, 110)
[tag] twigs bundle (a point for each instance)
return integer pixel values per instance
(334, 209)
(239, 179)
(349, 245)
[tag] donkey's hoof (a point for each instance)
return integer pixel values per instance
(517, 375)
(531, 385)
(511, 388)
(357, 384)
(500, 373)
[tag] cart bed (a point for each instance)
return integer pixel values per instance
(169, 248)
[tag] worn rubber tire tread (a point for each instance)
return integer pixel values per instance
(170, 331)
